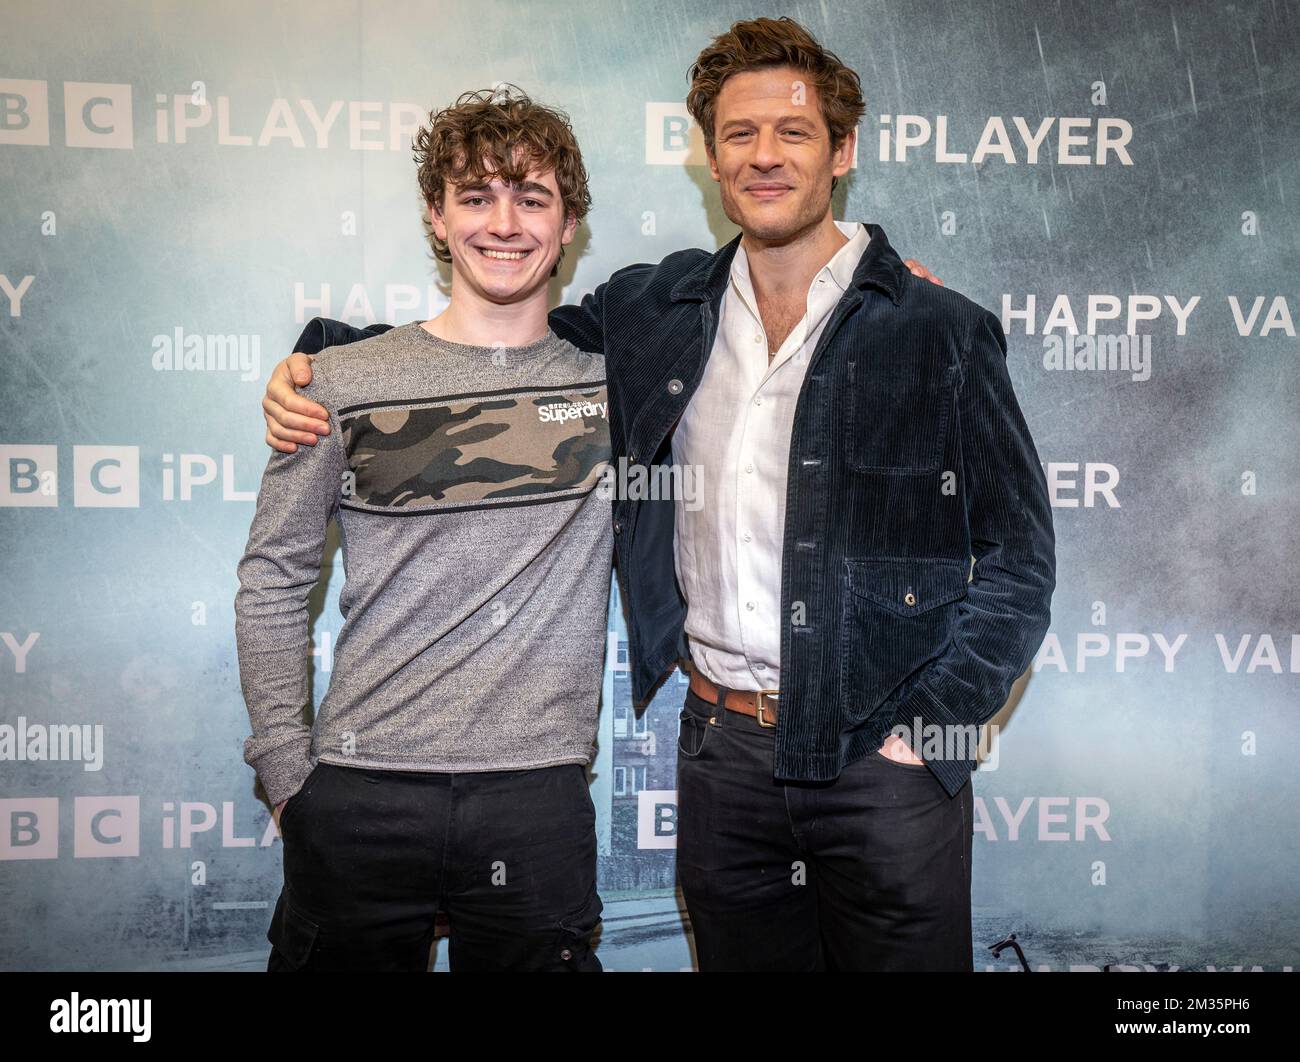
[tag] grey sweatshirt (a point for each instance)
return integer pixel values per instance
(477, 558)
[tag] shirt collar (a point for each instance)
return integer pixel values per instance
(844, 262)
(880, 268)
(839, 269)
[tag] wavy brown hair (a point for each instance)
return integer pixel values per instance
(498, 133)
(761, 43)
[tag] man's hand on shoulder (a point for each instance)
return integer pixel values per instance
(291, 418)
(918, 270)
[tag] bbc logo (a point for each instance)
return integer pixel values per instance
(95, 115)
(103, 827)
(671, 136)
(656, 818)
(103, 477)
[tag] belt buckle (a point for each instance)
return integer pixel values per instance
(758, 708)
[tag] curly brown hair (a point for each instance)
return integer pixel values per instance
(760, 43)
(498, 133)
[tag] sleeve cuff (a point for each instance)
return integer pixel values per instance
(312, 340)
(283, 771)
(921, 710)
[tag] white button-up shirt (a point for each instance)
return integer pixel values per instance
(736, 430)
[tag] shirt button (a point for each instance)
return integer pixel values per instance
(909, 599)
(758, 401)
(750, 605)
(617, 527)
(674, 387)
(566, 955)
(749, 468)
(747, 536)
(758, 339)
(632, 457)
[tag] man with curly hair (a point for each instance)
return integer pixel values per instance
(461, 471)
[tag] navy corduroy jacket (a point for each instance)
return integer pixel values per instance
(919, 557)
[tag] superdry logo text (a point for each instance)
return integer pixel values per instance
(559, 412)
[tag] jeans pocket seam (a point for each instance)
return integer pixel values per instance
(705, 727)
(294, 800)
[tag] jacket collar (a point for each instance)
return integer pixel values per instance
(879, 267)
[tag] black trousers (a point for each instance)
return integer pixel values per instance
(869, 872)
(371, 856)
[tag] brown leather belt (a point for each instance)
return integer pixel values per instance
(760, 704)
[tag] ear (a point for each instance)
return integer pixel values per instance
(570, 227)
(438, 222)
(842, 156)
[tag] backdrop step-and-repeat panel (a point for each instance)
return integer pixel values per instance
(184, 185)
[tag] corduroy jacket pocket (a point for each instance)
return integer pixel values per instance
(899, 416)
(897, 616)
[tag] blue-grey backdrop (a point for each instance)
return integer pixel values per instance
(185, 184)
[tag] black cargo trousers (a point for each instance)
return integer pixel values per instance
(371, 856)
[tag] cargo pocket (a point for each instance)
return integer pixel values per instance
(898, 615)
(574, 947)
(292, 935)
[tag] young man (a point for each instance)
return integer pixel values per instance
(860, 445)
(461, 471)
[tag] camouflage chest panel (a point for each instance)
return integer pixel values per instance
(476, 451)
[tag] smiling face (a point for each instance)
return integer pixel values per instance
(772, 155)
(504, 239)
